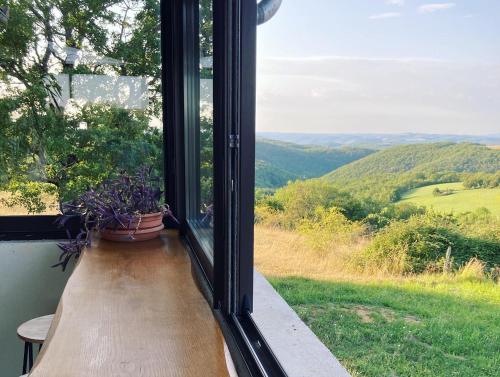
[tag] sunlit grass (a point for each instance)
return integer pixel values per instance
(411, 328)
(461, 200)
(382, 325)
(285, 253)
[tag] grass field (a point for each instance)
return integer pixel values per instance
(376, 325)
(461, 200)
(428, 327)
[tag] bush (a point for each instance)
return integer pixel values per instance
(400, 211)
(438, 192)
(29, 195)
(419, 243)
(299, 200)
(330, 227)
(481, 180)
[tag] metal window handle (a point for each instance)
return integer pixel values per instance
(266, 9)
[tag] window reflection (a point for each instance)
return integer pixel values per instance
(80, 99)
(200, 143)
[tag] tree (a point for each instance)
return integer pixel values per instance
(39, 141)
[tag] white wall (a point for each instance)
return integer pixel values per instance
(29, 288)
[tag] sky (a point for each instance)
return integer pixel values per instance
(380, 66)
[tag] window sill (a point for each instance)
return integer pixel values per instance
(297, 348)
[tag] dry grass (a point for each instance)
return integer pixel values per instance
(50, 201)
(283, 253)
(473, 270)
(280, 253)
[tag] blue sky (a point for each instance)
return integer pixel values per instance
(380, 66)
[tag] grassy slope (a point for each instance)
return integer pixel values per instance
(383, 326)
(279, 162)
(461, 201)
(413, 328)
(380, 173)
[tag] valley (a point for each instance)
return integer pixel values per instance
(360, 254)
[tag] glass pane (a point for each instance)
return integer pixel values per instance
(200, 139)
(79, 104)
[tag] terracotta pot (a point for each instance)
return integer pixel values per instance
(146, 228)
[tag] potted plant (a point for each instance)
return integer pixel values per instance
(127, 208)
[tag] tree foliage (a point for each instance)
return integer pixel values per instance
(280, 162)
(42, 143)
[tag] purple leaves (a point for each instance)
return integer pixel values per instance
(116, 203)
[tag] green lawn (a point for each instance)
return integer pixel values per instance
(429, 326)
(460, 201)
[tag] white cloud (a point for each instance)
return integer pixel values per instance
(395, 2)
(374, 94)
(380, 16)
(431, 8)
(408, 59)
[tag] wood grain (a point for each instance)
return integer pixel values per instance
(133, 310)
(36, 329)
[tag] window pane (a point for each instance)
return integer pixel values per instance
(80, 99)
(377, 170)
(200, 139)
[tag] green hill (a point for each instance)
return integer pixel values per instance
(458, 199)
(387, 174)
(279, 162)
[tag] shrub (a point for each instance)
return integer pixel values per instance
(481, 180)
(419, 243)
(29, 195)
(329, 226)
(400, 211)
(298, 201)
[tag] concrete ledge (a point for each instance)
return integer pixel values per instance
(297, 348)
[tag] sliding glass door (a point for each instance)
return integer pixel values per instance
(199, 143)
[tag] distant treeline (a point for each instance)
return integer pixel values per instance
(481, 180)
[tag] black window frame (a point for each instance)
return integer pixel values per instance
(31, 227)
(228, 284)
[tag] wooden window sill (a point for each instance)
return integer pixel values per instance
(133, 310)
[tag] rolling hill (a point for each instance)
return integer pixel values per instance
(458, 201)
(278, 162)
(387, 174)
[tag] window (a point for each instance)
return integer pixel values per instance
(80, 100)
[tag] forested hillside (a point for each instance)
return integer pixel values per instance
(386, 174)
(278, 162)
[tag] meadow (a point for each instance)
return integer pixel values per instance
(461, 200)
(386, 325)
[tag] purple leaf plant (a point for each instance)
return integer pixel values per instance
(117, 202)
